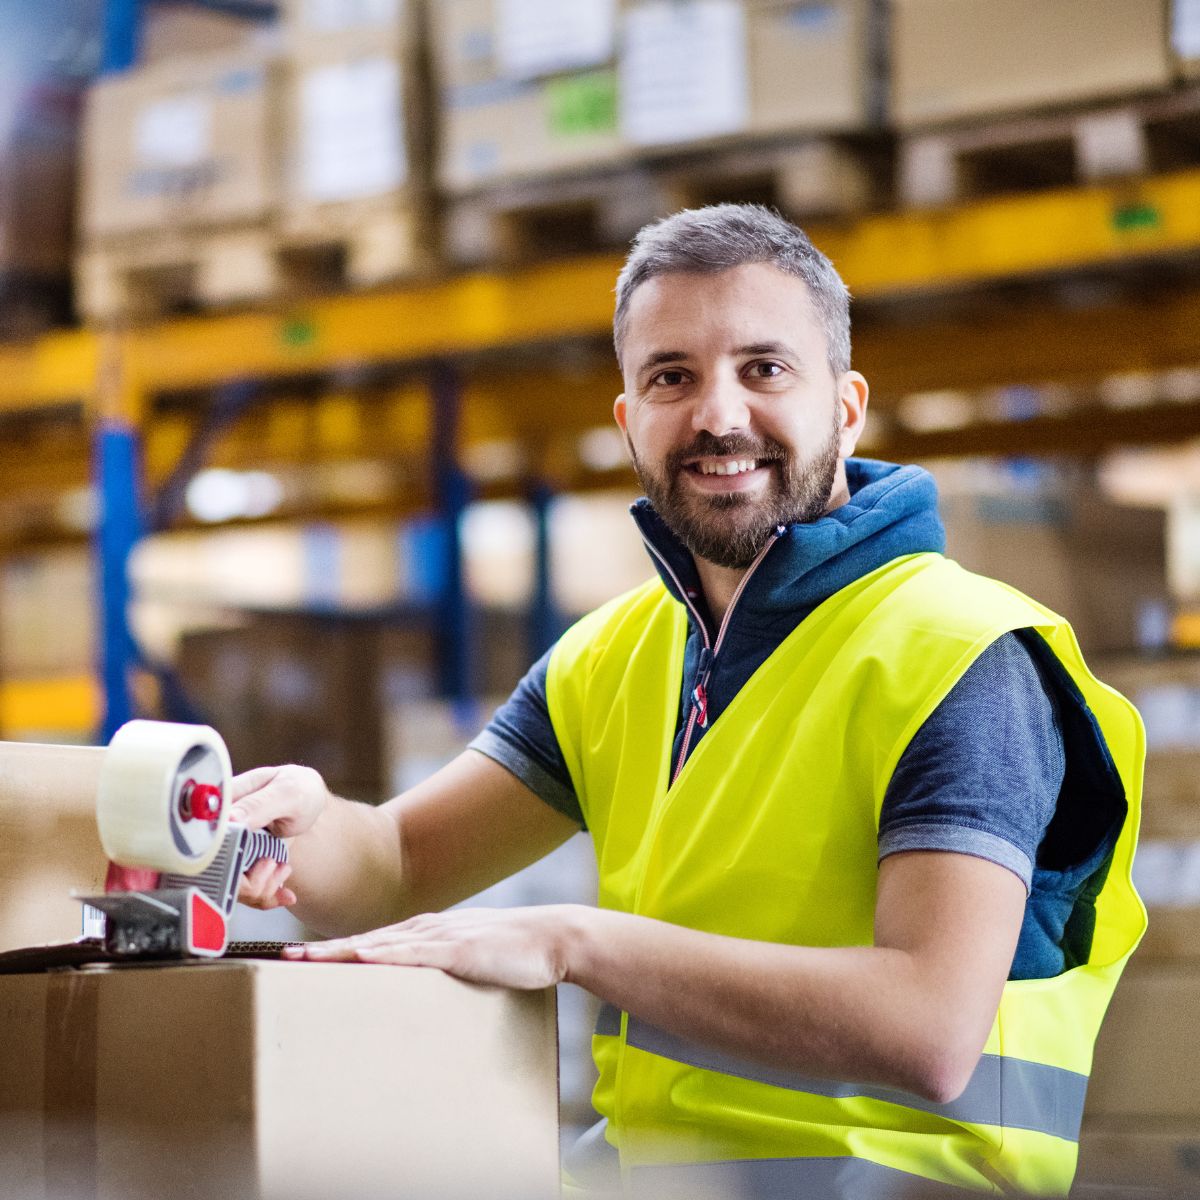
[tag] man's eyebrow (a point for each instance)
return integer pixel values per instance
(659, 357)
(779, 348)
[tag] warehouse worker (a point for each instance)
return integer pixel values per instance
(864, 821)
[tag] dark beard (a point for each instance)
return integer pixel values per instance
(730, 530)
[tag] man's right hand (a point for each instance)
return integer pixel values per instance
(286, 801)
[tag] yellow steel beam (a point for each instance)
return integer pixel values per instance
(454, 316)
(56, 369)
(880, 256)
(68, 705)
(1058, 230)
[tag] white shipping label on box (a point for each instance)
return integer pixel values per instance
(351, 131)
(336, 16)
(1185, 28)
(537, 37)
(683, 71)
(176, 132)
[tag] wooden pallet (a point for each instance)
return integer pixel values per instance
(526, 220)
(1158, 133)
(330, 249)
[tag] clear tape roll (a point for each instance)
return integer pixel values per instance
(138, 812)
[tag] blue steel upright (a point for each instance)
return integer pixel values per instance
(117, 465)
(118, 472)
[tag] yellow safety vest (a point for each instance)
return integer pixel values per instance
(770, 833)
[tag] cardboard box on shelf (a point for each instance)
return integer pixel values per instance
(1147, 1057)
(357, 157)
(172, 29)
(811, 66)
(294, 688)
(1140, 1157)
(955, 59)
(47, 613)
(340, 27)
(691, 72)
(267, 1079)
(500, 129)
(185, 144)
(602, 83)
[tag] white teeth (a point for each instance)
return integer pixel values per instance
(708, 467)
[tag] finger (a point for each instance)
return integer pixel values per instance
(439, 955)
(250, 781)
(258, 809)
(252, 882)
(286, 897)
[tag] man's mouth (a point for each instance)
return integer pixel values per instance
(722, 466)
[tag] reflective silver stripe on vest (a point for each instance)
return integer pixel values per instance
(1012, 1092)
(787, 1179)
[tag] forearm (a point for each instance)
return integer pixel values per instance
(348, 869)
(869, 1014)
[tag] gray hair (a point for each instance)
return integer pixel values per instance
(721, 236)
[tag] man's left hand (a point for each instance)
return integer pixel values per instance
(506, 947)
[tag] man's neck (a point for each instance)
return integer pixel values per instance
(719, 584)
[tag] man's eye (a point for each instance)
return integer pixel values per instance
(669, 378)
(767, 370)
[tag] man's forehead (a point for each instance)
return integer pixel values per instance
(752, 303)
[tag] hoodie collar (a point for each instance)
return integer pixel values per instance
(892, 511)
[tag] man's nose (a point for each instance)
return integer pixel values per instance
(720, 407)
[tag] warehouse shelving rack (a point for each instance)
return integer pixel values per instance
(1111, 243)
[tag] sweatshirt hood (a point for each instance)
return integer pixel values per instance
(892, 512)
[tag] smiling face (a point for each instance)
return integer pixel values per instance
(734, 420)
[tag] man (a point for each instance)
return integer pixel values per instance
(863, 821)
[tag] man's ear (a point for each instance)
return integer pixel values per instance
(853, 393)
(619, 413)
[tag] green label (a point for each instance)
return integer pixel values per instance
(579, 105)
(1128, 218)
(297, 331)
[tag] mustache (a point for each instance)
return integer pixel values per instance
(733, 445)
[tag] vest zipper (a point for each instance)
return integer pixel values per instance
(698, 707)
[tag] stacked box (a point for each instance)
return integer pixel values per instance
(526, 88)
(187, 143)
(180, 172)
(715, 68)
(357, 135)
(954, 59)
(532, 87)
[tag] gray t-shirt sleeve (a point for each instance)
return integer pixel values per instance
(521, 738)
(983, 774)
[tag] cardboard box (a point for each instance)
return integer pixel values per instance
(294, 689)
(502, 130)
(47, 851)
(1140, 1158)
(339, 27)
(811, 66)
(355, 130)
(185, 144)
(172, 29)
(271, 1080)
(1147, 1057)
(500, 117)
(965, 58)
(593, 90)
(47, 613)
